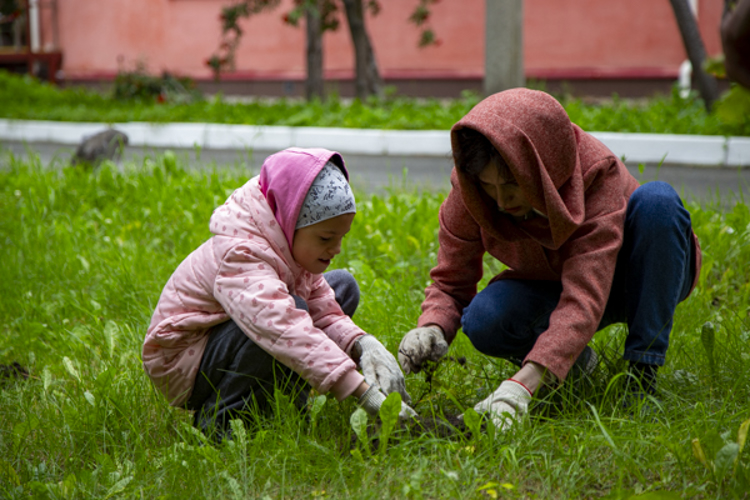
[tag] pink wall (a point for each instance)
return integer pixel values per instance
(562, 38)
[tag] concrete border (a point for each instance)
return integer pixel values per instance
(694, 150)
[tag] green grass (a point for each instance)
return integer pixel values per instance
(28, 99)
(84, 259)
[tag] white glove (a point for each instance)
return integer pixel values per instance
(380, 367)
(422, 344)
(372, 399)
(508, 404)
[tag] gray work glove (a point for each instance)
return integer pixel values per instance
(380, 367)
(508, 404)
(422, 344)
(372, 399)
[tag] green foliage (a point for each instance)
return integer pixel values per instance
(420, 17)
(661, 114)
(138, 84)
(715, 66)
(232, 32)
(26, 98)
(388, 413)
(85, 256)
(733, 108)
(328, 13)
(723, 458)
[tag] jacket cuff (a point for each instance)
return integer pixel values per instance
(449, 329)
(354, 351)
(557, 370)
(346, 385)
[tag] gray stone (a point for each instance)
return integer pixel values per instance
(105, 145)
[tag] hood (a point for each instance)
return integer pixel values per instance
(533, 133)
(286, 177)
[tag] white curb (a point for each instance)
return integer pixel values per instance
(738, 151)
(679, 149)
(714, 151)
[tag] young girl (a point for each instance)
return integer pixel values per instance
(585, 245)
(249, 311)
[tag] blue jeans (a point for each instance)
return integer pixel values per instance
(655, 271)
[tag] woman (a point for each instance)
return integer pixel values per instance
(585, 245)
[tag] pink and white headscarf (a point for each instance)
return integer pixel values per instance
(286, 178)
(329, 196)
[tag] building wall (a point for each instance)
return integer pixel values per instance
(562, 38)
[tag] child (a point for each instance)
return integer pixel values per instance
(249, 310)
(585, 246)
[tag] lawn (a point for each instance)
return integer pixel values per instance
(24, 98)
(85, 256)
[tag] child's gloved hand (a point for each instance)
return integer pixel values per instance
(372, 399)
(422, 344)
(380, 367)
(508, 404)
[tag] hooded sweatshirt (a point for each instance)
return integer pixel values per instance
(246, 272)
(580, 188)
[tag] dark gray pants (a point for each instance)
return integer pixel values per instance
(236, 376)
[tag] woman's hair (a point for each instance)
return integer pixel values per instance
(475, 152)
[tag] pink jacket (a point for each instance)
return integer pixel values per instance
(580, 186)
(246, 272)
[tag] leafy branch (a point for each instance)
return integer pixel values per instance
(420, 17)
(329, 11)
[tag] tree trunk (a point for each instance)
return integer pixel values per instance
(696, 52)
(503, 45)
(314, 82)
(367, 79)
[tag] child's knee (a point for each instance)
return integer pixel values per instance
(346, 289)
(341, 279)
(486, 324)
(656, 206)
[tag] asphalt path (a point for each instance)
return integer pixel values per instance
(702, 184)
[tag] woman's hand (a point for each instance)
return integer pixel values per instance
(507, 405)
(422, 344)
(510, 402)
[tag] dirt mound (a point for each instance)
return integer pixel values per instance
(13, 371)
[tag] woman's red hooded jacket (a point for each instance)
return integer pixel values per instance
(580, 187)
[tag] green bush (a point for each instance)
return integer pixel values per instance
(733, 109)
(26, 98)
(138, 84)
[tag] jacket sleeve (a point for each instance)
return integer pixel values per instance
(458, 269)
(249, 289)
(589, 261)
